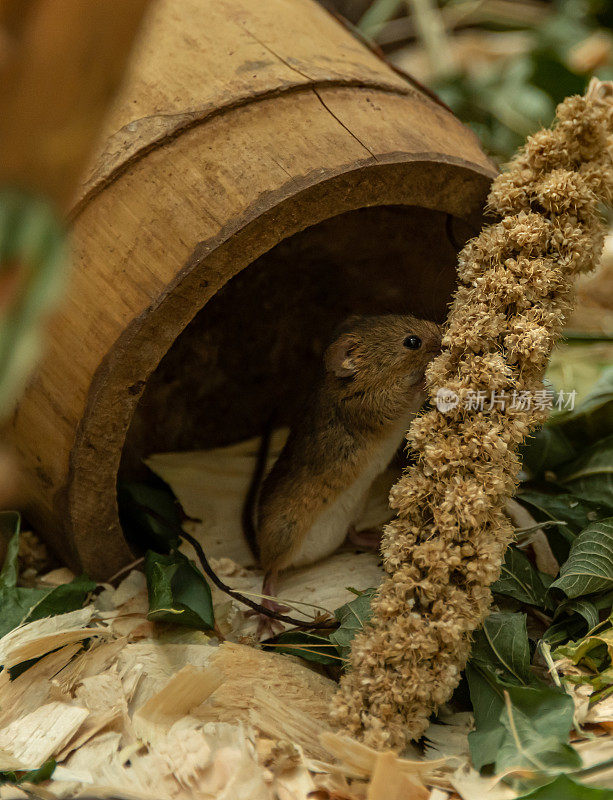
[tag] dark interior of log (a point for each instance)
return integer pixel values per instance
(256, 346)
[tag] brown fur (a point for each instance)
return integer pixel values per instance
(370, 382)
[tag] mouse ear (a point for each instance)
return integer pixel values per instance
(338, 358)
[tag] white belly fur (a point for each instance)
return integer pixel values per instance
(330, 528)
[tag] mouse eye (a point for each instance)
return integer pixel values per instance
(412, 342)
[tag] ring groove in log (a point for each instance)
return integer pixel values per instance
(193, 208)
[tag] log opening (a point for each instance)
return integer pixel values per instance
(257, 344)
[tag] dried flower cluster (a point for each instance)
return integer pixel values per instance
(446, 545)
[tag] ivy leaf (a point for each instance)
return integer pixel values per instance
(310, 646)
(519, 726)
(564, 788)
(537, 727)
(352, 618)
(591, 474)
(589, 567)
(519, 579)
(178, 592)
(501, 645)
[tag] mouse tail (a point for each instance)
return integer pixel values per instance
(248, 515)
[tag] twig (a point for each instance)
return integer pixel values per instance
(267, 612)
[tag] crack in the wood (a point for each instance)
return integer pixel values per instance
(342, 124)
(278, 163)
(275, 54)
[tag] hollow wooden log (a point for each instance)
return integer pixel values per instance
(262, 174)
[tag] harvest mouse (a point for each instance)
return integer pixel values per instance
(372, 383)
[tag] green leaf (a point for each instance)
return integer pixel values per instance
(352, 618)
(564, 788)
(546, 449)
(502, 646)
(379, 12)
(594, 413)
(583, 608)
(178, 592)
(16, 604)
(61, 599)
(43, 773)
(591, 474)
(33, 248)
(22, 604)
(487, 701)
(577, 512)
(519, 579)
(594, 651)
(310, 646)
(589, 567)
(519, 726)
(150, 515)
(560, 632)
(537, 727)
(580, 363)
(566, 435)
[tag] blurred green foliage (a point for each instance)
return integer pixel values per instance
(511, 98)
(33, 260)
(506, 98)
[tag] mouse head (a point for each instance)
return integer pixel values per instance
(382, 352)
